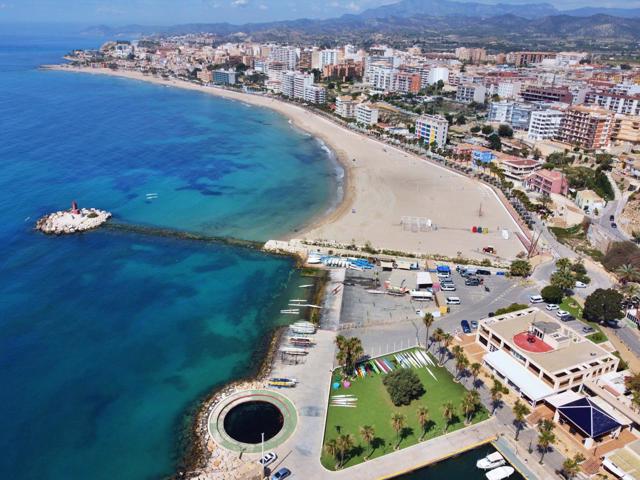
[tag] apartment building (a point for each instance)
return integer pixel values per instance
(315, 94)
(472, 55)
(407, 82)
(471, 92)
(516, 114)
(624, 104)
(436, 74)
(205, 76)
(516, 168)
(345, 107)
(538, 356)
(330, 57)
(586, 127)
(626, 129)
(284, 54)
(524, 59)
(383, 79)
(547, 94)
(224, 77)
(509, 89)
(294, 84)
(432, 128)
(366, 115)
(547, 181)
(545, 124)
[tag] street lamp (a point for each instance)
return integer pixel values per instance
(262, 455)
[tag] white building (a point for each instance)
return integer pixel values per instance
(438, 73)
(329, 57)
(383, 79)
(287, 55)
(500, 112)
(432, 128)
(345, 107)
(315, 94)
(366, 115)
(294, 84)
(470, 92)
(545, 124)
(509, 89)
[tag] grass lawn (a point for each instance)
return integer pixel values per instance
(570, 305)
(374, 408)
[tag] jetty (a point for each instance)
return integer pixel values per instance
(74, 220)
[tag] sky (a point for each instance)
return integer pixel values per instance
(171, 12)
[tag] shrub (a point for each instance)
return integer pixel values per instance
(552, 294)
(520, 268)
(92, 215)
(403, 386)
(514, 307)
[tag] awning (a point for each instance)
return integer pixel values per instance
(563, 398)
(424, 278)
(589, 418)
(534, 388)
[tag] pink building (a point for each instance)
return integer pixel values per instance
(549, 181)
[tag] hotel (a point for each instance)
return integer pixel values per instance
(432, 128)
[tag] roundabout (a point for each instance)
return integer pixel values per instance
(238, 422)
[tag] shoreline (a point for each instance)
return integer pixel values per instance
(336, 208)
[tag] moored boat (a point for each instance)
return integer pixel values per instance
(493, 460)
(500, 473)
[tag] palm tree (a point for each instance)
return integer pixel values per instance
(520, 410)
(546, 437)
(630, 290)
(627, 273)
(398, 421)
(446, 341)
(461, 364)
(496, 395)
(331, 447)
(368, 434)
(571, 466)
(470, 404)
(448, 412)
(423, 420)
(438, 336)
(349, 350)
(475, 371)
(345, 444)
(457, 351)
(427, 320)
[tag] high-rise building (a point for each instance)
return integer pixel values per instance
(294, 83)
(345, 107)
(473, 55)
(587, 127)
(432, 128)
(471, 92)
(547, 94)
(618, 103)
(329, 57)
(366, 115)
(224, 77)
(438, 73)
(545, 124)
(315, 94)
(407, 82)
(523, 59)
(285, 54)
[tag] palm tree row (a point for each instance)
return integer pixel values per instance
(349, 351)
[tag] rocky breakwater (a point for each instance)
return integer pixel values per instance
(66, 222)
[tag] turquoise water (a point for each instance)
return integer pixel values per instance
(108, 340)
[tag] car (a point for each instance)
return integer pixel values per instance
(474, 325)
(612, 218)
(472, 282)
(612, 323)
(483, 272)
(563, 314)
(613, 225)
(588, 329)
(448, 288)
(581, 285)
(443, 275)
(280, 474)
(536, 299)
(268, 459)
(552, 306)
(453, 301)
(466, 328)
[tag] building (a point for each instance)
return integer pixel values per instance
(471, 92)
(545, 124)
(538, 356)
(432, 128)
(547, 181)
(589, 201)
(284, 54)
(224, 77)
(524, 59)
(618, 103)
(294, 84)
(205, 76)
(345, 107)
(586, 127)
(366, 115)
(315, 94)
(509, 89)
(547, 94)
(518, 169)
(383, 79)
(516, 114)
(472, 55)
(500, 112)
(407, 82)
(329, 57)
(436, 74)
(626, 129)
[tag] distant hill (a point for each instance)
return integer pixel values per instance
(614, 12)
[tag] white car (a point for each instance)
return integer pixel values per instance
(268, 459)
(448, 288)
(453, 301)
(581, 285)
(535, 299)
(562, 313)
(552, 306)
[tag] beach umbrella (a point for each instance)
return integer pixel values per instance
(336, 385)
(346, 384)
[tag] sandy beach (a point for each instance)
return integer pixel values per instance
(382, 185)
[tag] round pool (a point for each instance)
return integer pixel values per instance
(247, 421)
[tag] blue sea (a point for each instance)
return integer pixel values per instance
(108, 340)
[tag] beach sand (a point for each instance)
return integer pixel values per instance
(382, 185)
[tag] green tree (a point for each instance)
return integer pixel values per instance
(494, 142)
(345, 444)
(461, 364)
(331, 447)
(427, 320)
(398, 422)
(520, 411)
(423, 420)
(448, 412)
(460, 119)
(444, 347)
(603, 305)
(470, 404)
(349, 351)
(552, 294)
(514, 307)
(496, 395)
(368, 434)
(403, 386)
(628, 273)
(505, 131)
(487, 129)
(571, 466)
(563, 279)
(520, 268)
(546, 437)
(475, 371)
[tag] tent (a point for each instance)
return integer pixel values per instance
(588, 417)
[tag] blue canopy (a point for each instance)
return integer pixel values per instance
(589, 418)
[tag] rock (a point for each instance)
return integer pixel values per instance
(66, 222)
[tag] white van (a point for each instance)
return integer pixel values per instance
(453, 301)
(448, 287)
(535, 299)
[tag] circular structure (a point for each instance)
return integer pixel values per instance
(238, 421)
(249, 421)
(528, 342)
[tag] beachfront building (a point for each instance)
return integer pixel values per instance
(432, 128)
(345, 107)
(547, 181)
(538, 356)
(294, 84)
(366, 115)
(471, 92)
(224, 77)
(545, 124)
(518, 169)
(284, 54)
(315, 94)
(586, 127)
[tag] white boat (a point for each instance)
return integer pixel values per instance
(376, 292)
(306, 286)
(493, 460)
(294, 351)
(291, 311)
(500, 473)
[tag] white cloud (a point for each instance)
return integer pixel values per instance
(262, 6)
(240, 3)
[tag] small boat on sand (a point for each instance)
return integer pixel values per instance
(500, 473)
(294, 351)
(493, 460)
